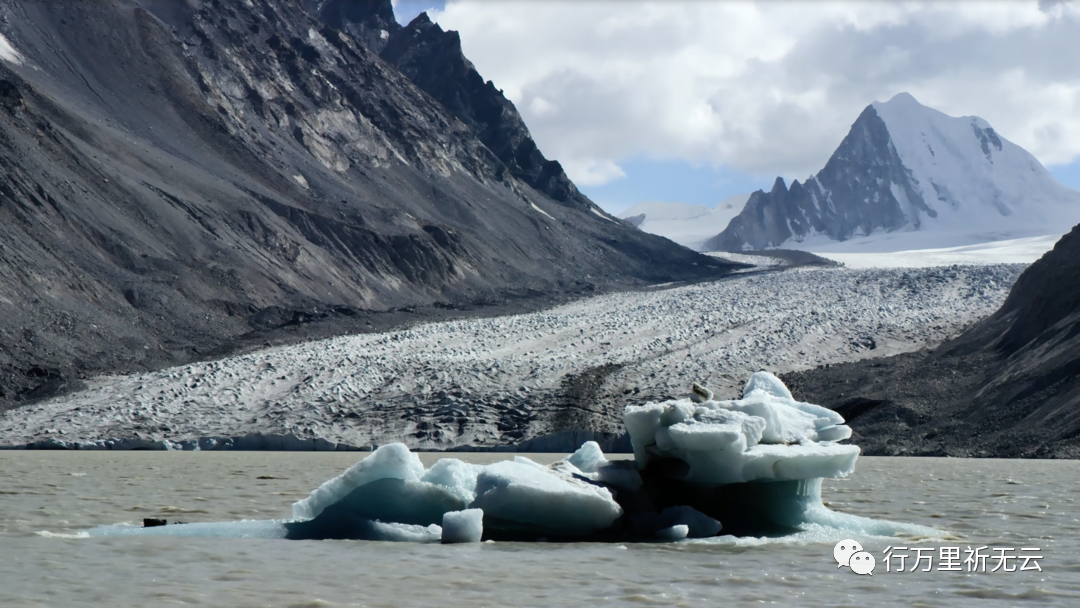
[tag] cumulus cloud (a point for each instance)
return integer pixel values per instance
(768, 88)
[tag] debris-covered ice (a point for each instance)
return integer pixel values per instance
(502, 381)
(747, 466)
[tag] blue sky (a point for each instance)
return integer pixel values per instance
(697, 101)
(406, 10)
(1068, 174)
(672, 180)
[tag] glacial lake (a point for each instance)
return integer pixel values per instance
(48, 498)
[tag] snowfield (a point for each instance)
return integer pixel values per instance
(509, 380)
(1012, 251)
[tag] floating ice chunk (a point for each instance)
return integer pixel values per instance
(673, 533)
(707, 452)
(404, 533)
(837, 432)
(463, 526)
(224, 529)
(395, 500)
(393, 461)
(716, 429)
(523, 495)
(786, 420)
(588, 458)
(458, 476)
(783, 423)
(698, 524)
(764, 382)
(767, 435)
(362, 529)
(589, 461)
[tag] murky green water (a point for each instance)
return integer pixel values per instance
(45, 496)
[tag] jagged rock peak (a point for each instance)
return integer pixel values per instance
(433, 59)
(371, 22)
(421, 20)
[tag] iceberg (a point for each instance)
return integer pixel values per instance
(766, 435)
(522, 496)
(463, 526)
(750, 466)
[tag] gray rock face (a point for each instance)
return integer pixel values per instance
(177, 175)
(850, 196)
(368, 22)
(432, 58)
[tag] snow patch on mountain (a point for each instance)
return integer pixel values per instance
(8, 52)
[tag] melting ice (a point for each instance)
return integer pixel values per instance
(750, 466)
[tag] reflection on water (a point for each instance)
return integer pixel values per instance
(46, 498)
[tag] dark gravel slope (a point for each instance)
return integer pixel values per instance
(1008, 387)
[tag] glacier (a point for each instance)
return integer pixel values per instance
(746, 467)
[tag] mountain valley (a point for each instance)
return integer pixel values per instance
(183, 178)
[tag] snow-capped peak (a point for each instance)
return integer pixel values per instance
(968, 174)
(906, 169)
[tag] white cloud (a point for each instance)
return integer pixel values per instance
(769, 88)
(593, 173)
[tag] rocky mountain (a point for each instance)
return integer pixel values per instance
(1008, 387)
(904, 167)
(180, 175)
(687, 225)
